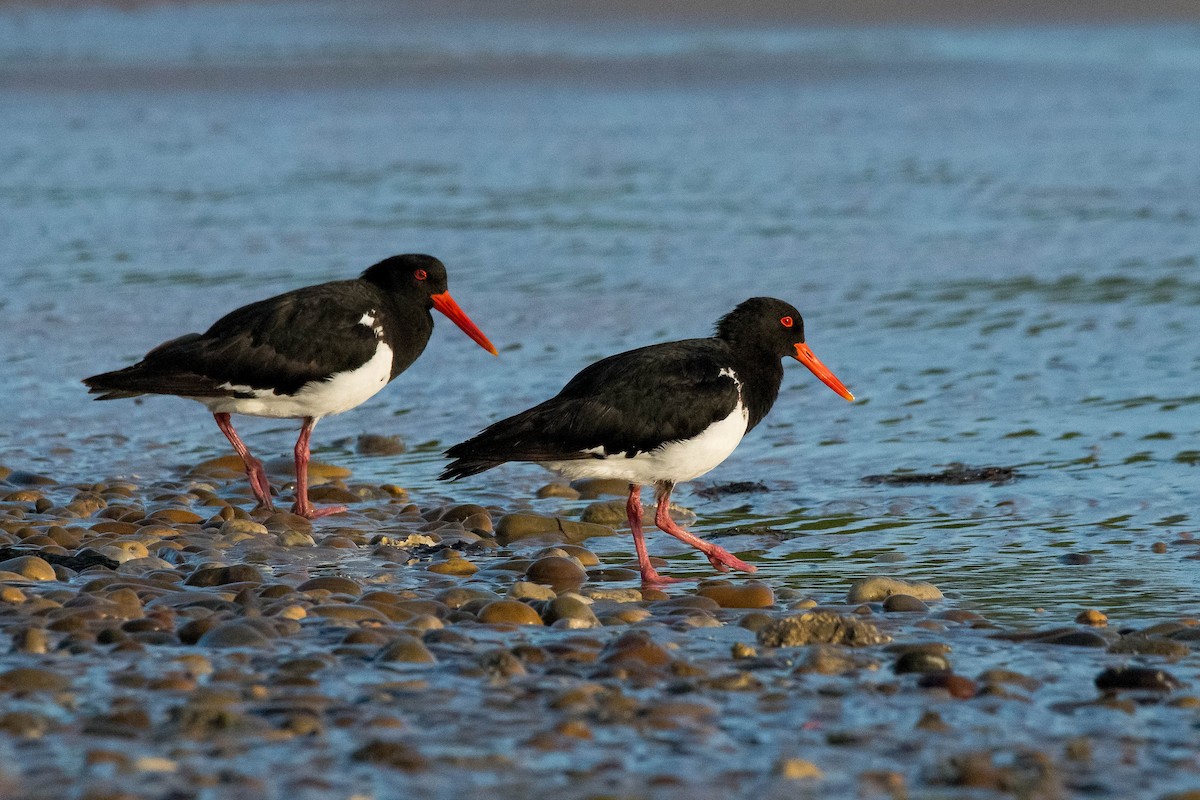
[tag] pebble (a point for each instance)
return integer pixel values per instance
(396, 755)
(233, 634)
(453, 566)
(560, 490)
(1143, 645)
(957, 686)
(32, 679)
(820, 627)
(509, 611)
(29, 567)
(406, 649)
(904, 603)
(869, 590)
(243, 526)
(918, 661)
(375, 444)
(798, 769)
(591, 488)
(573, 611)
(334, 584)
(527, 590)
(516, 527)
(1139, 678)
(751, 594)
(557, 572)
(636, 649)
(221, 576)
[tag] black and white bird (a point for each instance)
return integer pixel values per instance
(657, 415)
(305, 354)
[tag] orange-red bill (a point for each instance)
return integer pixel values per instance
(445, 303)
(805, 356)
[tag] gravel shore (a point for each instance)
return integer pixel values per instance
(163, 642)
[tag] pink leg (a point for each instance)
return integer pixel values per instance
(302, 506)
(633, 509)
(718, 556)
(254, 468)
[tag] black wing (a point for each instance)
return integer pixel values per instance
(279, 343)
(628, 403)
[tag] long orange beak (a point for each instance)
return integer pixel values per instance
(445, 303)
(805, 356)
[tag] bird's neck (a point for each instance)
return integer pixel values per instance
(761, 374)
(407, 327)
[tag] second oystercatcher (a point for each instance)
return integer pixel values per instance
(305, 354)
(660, 415)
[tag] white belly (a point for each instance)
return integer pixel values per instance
(675, 461)
(341, 392)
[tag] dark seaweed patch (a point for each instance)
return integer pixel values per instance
(955, 475)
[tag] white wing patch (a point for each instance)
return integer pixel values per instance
(368, 320)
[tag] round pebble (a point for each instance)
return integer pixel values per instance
(29, 567)
(904, 603)
(751, 594)
(509, 611)
(558, 572)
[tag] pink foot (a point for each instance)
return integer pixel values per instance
(724, 560)
(652, 579)
(312, 512)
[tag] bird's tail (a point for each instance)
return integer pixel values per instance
(532, 435)
(115, 385)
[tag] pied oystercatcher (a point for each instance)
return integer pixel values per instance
(304, 354)
(659, 414)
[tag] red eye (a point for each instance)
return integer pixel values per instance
(786, 322)
(420, 275)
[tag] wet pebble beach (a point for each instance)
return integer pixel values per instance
(164, 642)
(978, 581)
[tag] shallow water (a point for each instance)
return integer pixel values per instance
(992, 233)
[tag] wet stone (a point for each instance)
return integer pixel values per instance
(221, 576)
(233, 634)
(33, 679)
(636, 649)
(820, 627)
(1136, 678)
(30, 640)
(374, 444)
(406, 649)
(334, 584)
(570, 612)
(1092, 617)
(451, 598)
(870, 590)
(904, 603)
(396, 755)
(608, 512)
(557, 572)
(751, 594)
(29, 567)
(957, 686)
(1075, 639)
(581, 554)
(560, 490)
(515, 527)
(527, 590)
(509, 611)
(591, 488)
(917, 661)
(1142, 645)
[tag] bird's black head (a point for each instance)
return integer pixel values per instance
(422, 279)
(763, 323)
(411, 275)
(772, 328)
